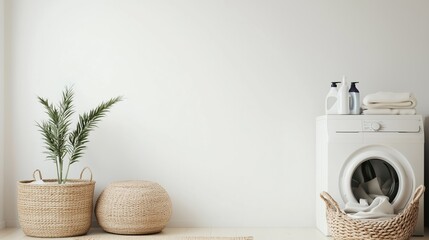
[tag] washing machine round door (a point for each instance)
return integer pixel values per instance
(377, 170)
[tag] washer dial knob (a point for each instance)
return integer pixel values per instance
(375, 126)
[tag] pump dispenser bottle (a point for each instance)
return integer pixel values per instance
(354, 99)
(331, 101)
(343, 98)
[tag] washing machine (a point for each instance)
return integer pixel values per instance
(353, 149)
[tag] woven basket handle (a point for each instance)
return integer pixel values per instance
(418, 193)
(330, 202)
(90, 172)
(40, 174)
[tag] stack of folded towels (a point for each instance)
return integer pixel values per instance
(389, 103)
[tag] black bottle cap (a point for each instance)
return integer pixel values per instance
(353, 87)
(334, 84)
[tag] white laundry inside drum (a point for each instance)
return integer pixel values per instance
(373, 178)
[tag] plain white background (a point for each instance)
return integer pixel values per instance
(220, 96)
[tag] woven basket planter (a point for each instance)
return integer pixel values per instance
(400, 227)
(133, 207)
(55, 210)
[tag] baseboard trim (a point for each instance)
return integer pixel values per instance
(12, 223)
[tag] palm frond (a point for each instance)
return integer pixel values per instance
(87, 122)
(55, 131)
(58, 139)
(66, 106)
(51, 110)
(49, 140)
(65, 112)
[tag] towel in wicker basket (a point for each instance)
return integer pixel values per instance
(400, 227)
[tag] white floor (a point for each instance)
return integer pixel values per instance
(257, 233)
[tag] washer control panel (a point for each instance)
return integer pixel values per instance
(372, 126)
(390, 126)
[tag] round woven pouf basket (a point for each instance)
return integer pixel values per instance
(133, 207)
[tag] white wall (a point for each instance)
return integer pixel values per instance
(2, 222)
(221, 96)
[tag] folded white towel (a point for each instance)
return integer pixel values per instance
(390, 111)
(387, 97)
(389, 100)
(406, 105)
(379, 208)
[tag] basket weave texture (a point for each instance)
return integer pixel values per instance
(55, 210)
(133, 207)
(400, 227)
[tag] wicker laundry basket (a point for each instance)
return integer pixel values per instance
(133, 207)
(400, 227)
(55, 210)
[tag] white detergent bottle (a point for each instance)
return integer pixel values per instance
(331, 101)
(343, 98)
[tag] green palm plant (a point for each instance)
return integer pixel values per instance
(60, 141)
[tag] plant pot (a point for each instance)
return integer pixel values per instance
(55, 210)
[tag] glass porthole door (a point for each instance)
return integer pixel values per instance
(377, 170)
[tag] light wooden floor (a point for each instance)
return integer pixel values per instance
(257, 233)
